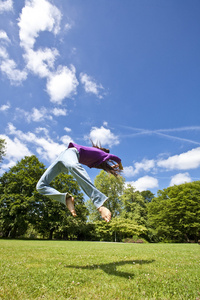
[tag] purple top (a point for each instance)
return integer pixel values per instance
(91, 156)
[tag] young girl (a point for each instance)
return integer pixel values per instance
(71, 160)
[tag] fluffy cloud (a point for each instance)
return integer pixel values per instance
(129, 171)
(44, 145)
(36, 16)
(90, 85)
(39, 115)
(59, 112)
(6, 5)
(144, 183)
(67, 129)
(145, 165)
(184, 161)
(104, 136)
(41, 62)
(15, 150)
(4, 36)
(9, 68)
(62, 84)
(180, 178)
(5, 107)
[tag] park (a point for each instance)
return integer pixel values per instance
(98, 270)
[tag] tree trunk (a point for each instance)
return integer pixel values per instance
(51, 233)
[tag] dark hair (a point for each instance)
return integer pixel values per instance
(109, 165)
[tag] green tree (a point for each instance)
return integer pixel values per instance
(134, 206)
(17, 186)
(21, 204)
(175, 213)
(13, 215)
(126, 228)
(147, 195)
(2, 149)
(112, 187)
(54, 218)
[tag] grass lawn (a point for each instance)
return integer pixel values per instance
(96, 270)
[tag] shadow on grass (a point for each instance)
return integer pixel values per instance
(111, 268)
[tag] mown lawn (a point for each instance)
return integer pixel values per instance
(96, 270)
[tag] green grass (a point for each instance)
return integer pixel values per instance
(95, 270)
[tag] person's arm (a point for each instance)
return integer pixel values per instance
(115, 158)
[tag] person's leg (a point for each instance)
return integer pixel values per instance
(87, 186)
(83, 179)
(43, 185)
(69, 160)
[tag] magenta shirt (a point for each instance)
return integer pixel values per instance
(91, 156)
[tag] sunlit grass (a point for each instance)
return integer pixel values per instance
(95, 270)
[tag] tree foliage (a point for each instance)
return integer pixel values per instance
(2, 149)
(175, 213)
(21, 205)
(112, 187)
(134, 206)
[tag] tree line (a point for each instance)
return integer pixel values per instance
(172, 216)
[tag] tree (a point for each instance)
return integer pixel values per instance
(13, 215)
(53, 217)
(2, 149)
(175, 213)
(21, 205)
(17, 186)
(112, 187)
(127, 228)
(134, 206)
(147, 195)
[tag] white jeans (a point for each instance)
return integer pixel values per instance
(68, 160)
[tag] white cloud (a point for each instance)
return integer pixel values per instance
(6, 5)
(4, 36)
(67, 129)
(41, 62)
(15, 149)
(104, 136)
(9, 67)
(90, 85)
(66, 139)
(36, 16)
(59, 112)
(5, 107)
(39, 115)
(62, 84)
(3, 53)
(44, 145)
(128, 171)
(144, 183)
(145, 165)
(183, 161)
(180, 178)
(36, 115)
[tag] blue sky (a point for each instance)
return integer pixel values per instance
(125, 73)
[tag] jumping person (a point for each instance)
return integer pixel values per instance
(72, 159)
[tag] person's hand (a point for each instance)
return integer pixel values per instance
(105, 213)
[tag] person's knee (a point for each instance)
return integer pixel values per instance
(72, 165)
(38, 186)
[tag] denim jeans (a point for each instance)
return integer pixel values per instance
(68, 160)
